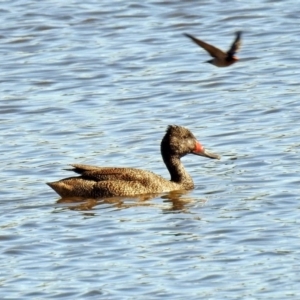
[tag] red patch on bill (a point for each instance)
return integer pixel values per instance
(198, 147)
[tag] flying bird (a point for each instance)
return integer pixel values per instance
(220, 58)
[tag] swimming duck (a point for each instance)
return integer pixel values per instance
(99, 182)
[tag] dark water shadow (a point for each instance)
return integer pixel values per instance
(172, 202)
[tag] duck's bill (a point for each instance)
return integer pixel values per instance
(208, 154)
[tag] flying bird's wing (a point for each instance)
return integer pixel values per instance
(235, 45)
(213, 51)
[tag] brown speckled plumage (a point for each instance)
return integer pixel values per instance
(97, 182)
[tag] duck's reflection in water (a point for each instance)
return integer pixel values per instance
(175, 201)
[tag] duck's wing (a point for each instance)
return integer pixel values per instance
(212, 50)
(111, 173)
(85, 169)
(236, 45)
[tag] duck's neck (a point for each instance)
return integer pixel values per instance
(178, 173)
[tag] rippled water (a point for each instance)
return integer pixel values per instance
(97, 83)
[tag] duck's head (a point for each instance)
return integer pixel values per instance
(179, 141)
